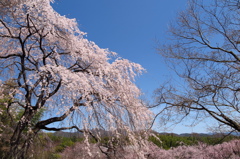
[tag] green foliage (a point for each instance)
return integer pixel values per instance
(55, 156)
(43, 147)
(10, 116)
(105, 140)
(50, 145)
(170, 140)
(65, 143)
(59, 149)
(155, 140)
(36, 117)
(7, 117)
(214, 139)
(53, 137)
(61, 142)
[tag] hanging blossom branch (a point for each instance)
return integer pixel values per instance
(58, 70)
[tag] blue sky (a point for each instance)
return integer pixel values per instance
(131, 28)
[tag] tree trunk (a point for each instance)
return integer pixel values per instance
(21, 140)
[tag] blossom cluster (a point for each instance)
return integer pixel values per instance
(230, 150)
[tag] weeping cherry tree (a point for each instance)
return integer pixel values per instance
(57, 69)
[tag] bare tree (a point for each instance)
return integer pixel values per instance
(71, 78)
(204, 50)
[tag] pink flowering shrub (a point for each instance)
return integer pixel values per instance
(80, 151)
(226, 150)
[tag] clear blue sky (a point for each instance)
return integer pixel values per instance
(130, 28)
